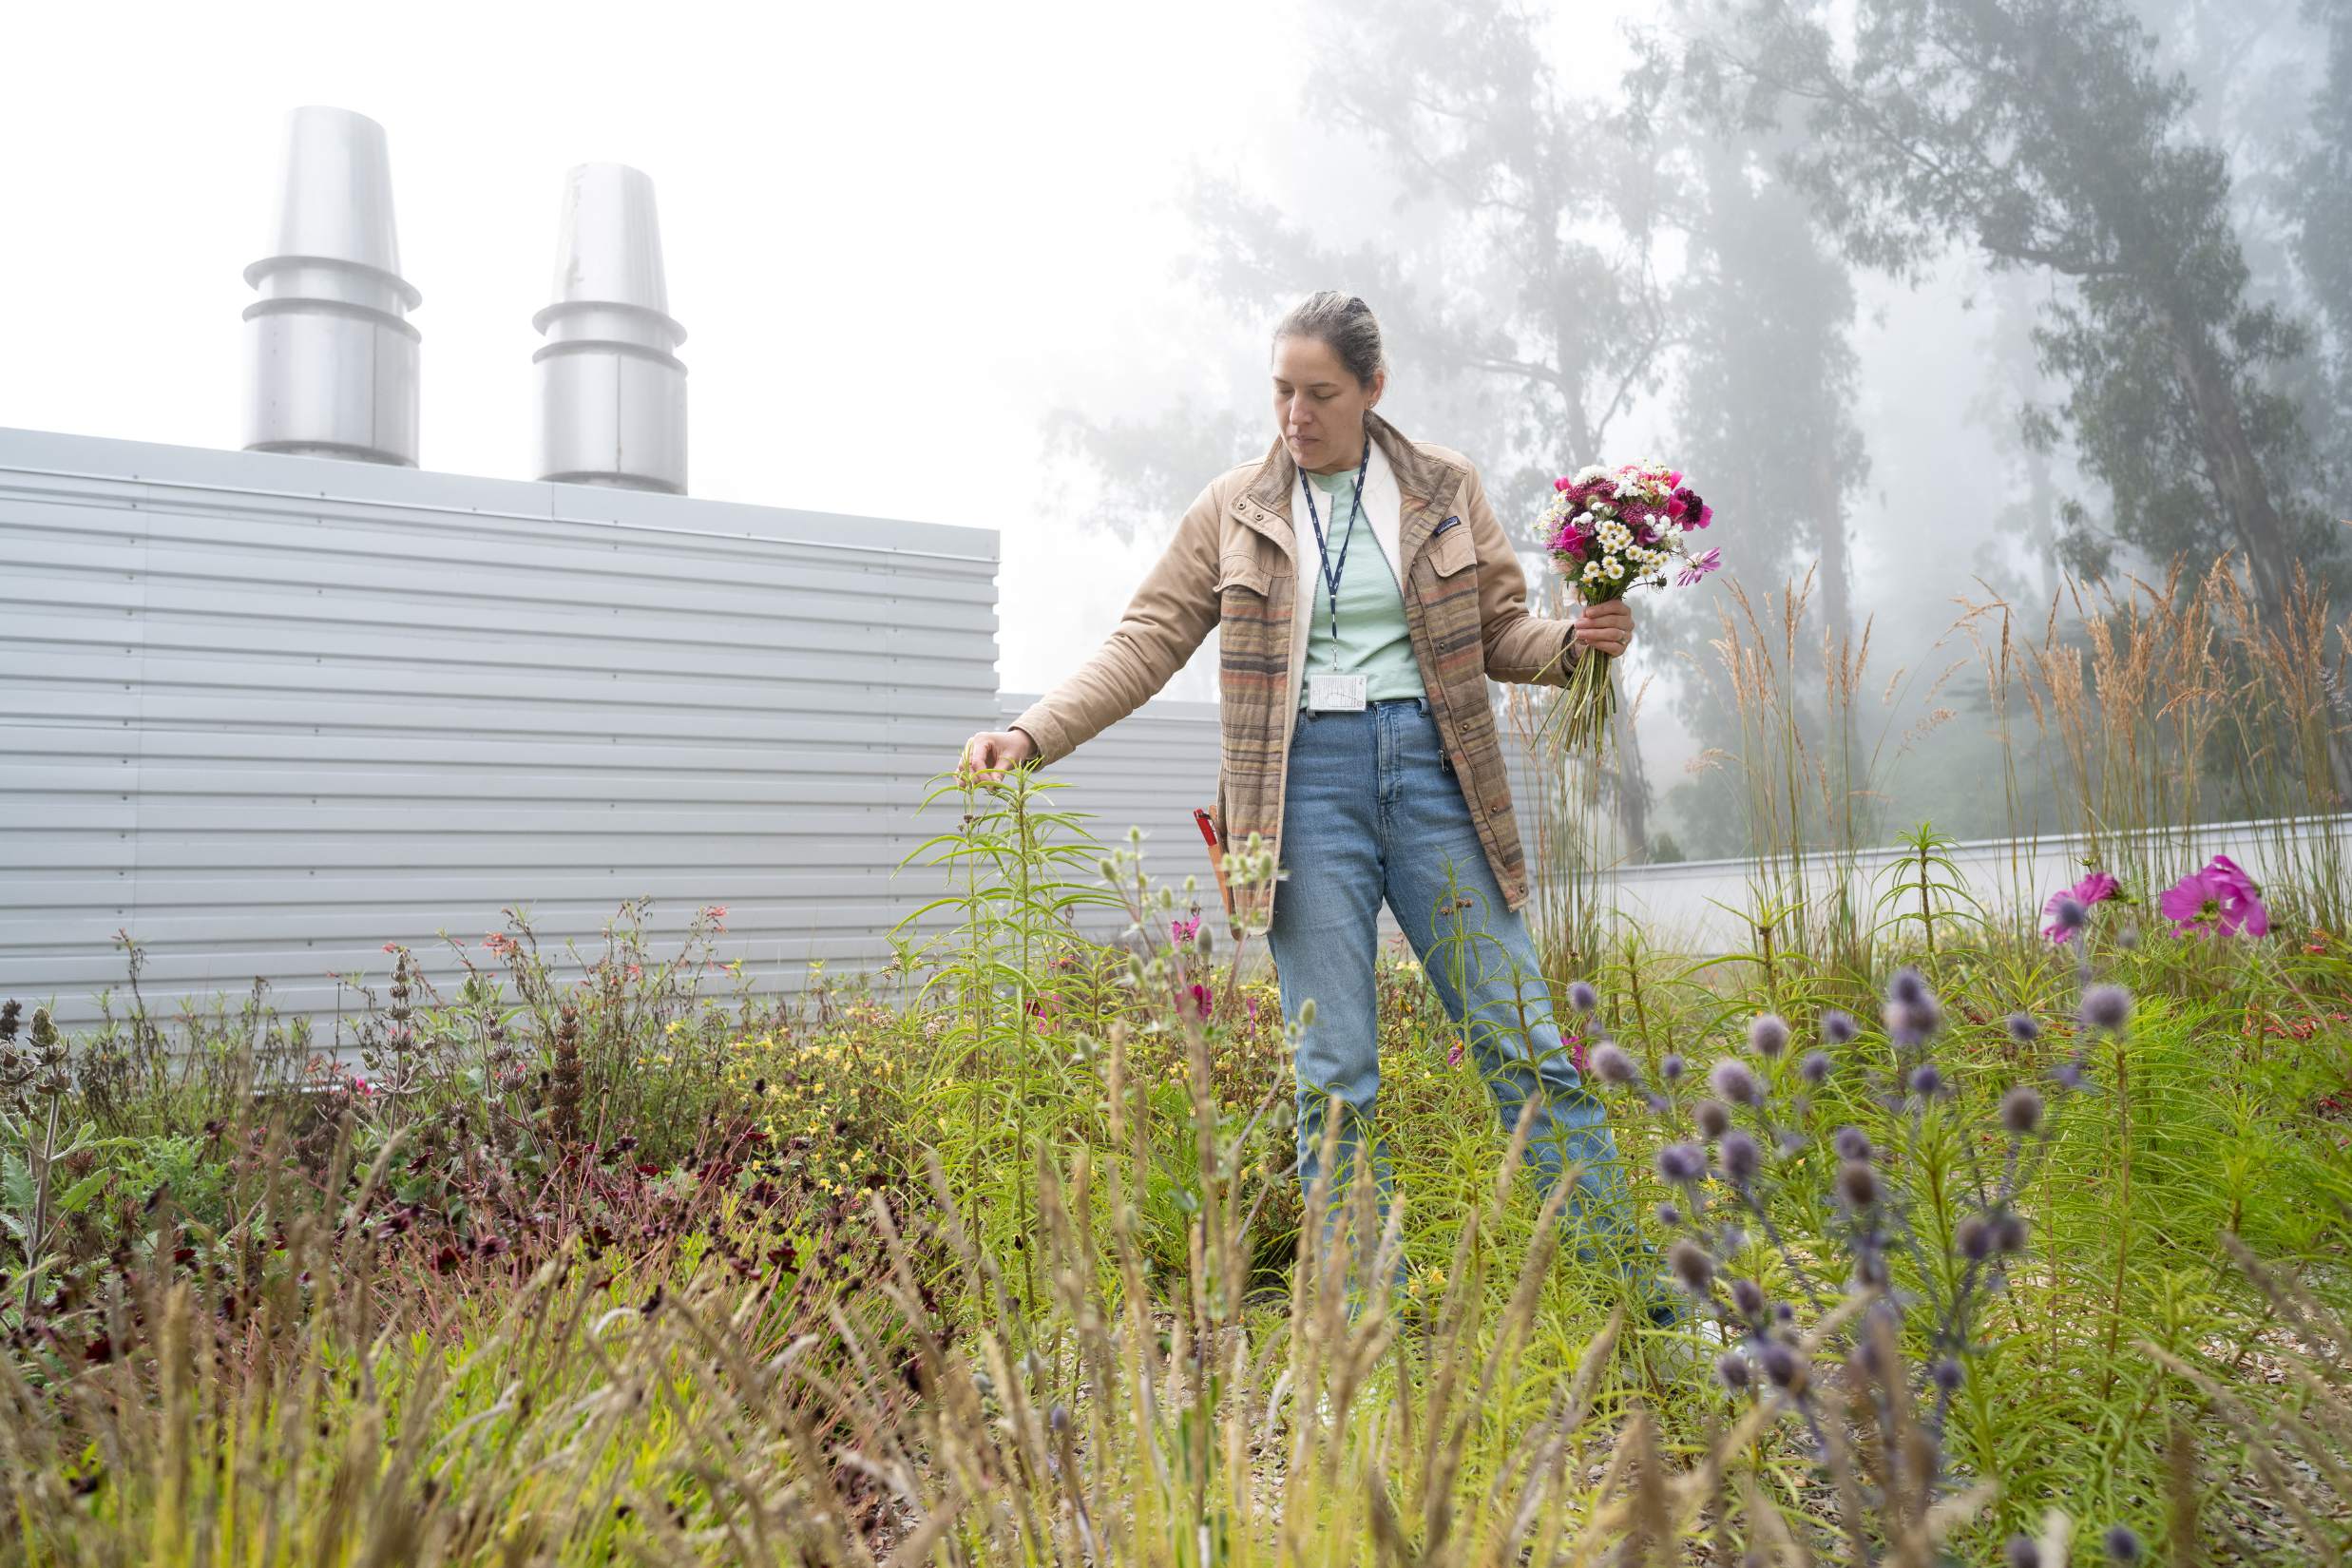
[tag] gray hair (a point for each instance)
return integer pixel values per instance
(1344, 324)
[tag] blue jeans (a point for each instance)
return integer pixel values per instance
(1373, 811)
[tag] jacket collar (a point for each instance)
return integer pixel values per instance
(1427, 485)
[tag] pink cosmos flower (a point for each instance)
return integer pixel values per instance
(1183, 929)
(2095, 889)
(1699, 565)
(1204, 999)
(2220, 900)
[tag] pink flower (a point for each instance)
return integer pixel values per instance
(2095, 889)
(1697, 567)
(1183, 929)
(1577, 1051)
(2219, 900)
(1203, 998)
(1453, 1058)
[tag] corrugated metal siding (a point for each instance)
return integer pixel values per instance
(268, 713)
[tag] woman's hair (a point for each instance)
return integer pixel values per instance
(1343, 323)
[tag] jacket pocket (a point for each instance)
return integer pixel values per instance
(1452, 550)
(1241, 571)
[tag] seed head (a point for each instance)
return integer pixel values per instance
(1814, 1069)
(1767, 1035)
(1711, 1116)
(1735, 1081)
(1612, 1065)
(1857, 1184)
(1682, 1163)
(1740, 1157)
(1582, 997)
(1838, 1028)
(1973, 1236)
(2020, 1110)
(1784, 1366)
(2009, 1231)
(1852, 1143)
(2107, 1008)
(1733, 1367)
(1691, 1265)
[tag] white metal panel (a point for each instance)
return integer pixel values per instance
(269, 713)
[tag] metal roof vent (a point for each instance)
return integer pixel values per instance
(330, 361)
(611, 392)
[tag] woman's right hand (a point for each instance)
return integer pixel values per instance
(991, 751)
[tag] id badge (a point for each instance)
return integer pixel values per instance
(1331, 691)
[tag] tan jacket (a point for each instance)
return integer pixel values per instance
(1235, 563)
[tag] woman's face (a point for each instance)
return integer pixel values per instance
(1319, 404)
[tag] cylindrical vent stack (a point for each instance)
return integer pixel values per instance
(611, 392)
(330, 361)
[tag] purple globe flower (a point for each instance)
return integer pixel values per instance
(1671, 1069)
(1815, 1068)
(1681, 1163)
(1582, 997)
(1710, 1117)
(1733, 1079)
(1851, 1143)
(2023, 1030)
(2107, 1008)
(1733, 1368)
(1767, 1035)
(2069, 908)
(1838, 1028)
(1740, 1155)
(1612, 1065)
(2020, 1110)
(1691, 1265)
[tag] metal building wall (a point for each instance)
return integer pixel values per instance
(269, 713)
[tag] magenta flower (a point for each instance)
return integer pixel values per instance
(1699, 565)
(2095, 889)
(1183, 930)
(2219, 900)
(1204, 999)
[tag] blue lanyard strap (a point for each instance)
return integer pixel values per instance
(1332, 574)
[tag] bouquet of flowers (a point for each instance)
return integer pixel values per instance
(1612, 531)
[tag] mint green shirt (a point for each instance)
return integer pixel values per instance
(1373, 640)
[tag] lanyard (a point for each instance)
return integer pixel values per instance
(1332, 574)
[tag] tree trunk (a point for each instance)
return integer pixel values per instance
(2230, 456)
(1836, 588)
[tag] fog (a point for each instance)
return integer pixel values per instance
(1016, 267)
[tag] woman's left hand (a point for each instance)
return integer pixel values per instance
(1606, 627)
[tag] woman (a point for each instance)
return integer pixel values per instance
(1366, 595)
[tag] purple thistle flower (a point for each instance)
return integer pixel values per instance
(1733, 1080)
(2009, 1233)
(1691, 1265)
(1928, 1080)
(1733, 1368)
(1783, 1365)
(2068, 911)
(1582, 997)
(1838, 1028)
(1748, 1296)
(2020, 1110)
(2021, 1553)
(1669, 1215)
(1851, 1143)
(1814, 1069)
(1612, 1065)
(2067, 1076)
(1767, 1035)
(2107, 1008)
(1946, 1374)
(1740, 1155)
(1671, 1069)
(1857, 1184)
(1974, 1238)
(1711, 1116)
(1909, 990)
(2122, 1543)
(1681, 1163)
(2023, 1030)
